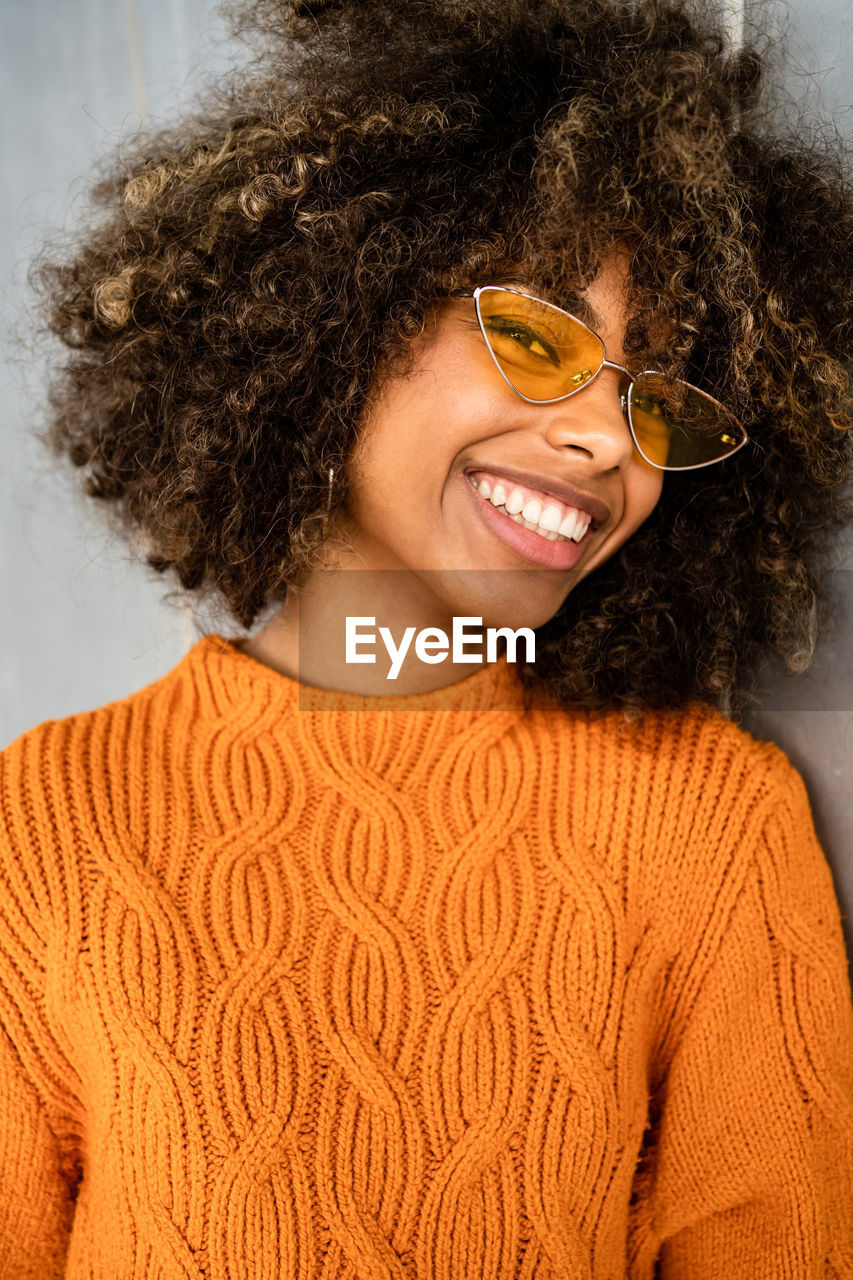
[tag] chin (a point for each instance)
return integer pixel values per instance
(502, 597)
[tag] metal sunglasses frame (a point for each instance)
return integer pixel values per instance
(624, 399)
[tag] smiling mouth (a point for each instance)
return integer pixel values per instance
(553, 520)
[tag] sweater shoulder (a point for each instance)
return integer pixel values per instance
(69, 785)
(56, 747)
(702, 732)
(677, 805)
(696, 748)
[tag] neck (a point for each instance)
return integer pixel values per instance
(308, 638)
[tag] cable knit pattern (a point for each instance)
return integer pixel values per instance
(300, 986)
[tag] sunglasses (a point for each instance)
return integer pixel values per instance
(546, 354)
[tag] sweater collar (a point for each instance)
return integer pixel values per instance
(230, 679)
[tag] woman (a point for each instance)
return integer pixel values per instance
(456, 962)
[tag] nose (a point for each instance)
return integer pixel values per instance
(592, 423)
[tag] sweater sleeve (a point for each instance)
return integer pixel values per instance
(38, 1147)
(753, 1175)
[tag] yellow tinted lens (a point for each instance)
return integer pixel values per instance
(542, 352)
(677, 425)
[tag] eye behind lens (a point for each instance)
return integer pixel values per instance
(678, 425)
(543, 352)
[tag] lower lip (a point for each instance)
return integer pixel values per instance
(526, 543)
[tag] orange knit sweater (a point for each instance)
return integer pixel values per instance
(439, 989)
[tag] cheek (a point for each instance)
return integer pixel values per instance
(414, 433)
(394, 468)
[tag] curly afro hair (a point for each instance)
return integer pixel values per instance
(257, 265)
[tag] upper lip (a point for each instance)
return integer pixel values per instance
(594, 507)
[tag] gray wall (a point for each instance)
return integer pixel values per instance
(81, 623)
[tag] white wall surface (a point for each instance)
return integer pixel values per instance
(81, 624)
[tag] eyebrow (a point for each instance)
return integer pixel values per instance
(575, 304)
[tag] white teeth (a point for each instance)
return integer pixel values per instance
(567, 526)
(544, 519)
(550, 519)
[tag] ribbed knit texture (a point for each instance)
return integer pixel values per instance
(431, 989)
